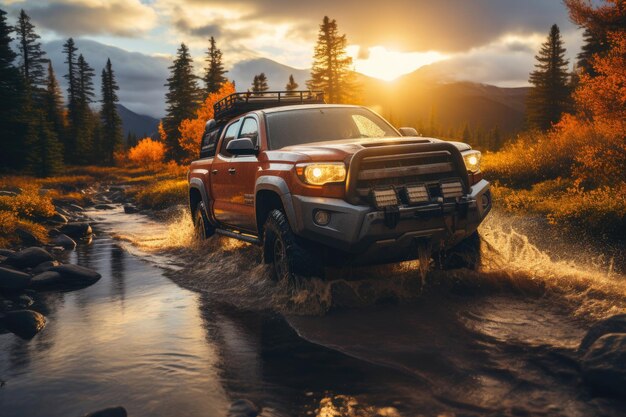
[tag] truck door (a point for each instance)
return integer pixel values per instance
(238, 174)
(222, 184)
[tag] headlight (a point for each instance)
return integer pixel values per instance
(472, 160)
(320, 174)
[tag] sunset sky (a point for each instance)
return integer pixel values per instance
(489, 41)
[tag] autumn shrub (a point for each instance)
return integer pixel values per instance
(148, 153)
(162, 194)
(29, 204)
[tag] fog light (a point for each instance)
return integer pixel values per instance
(321, 217)
(416, 194)
(384, 198)
(485, 200)
(451, 189)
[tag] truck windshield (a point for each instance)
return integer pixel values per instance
(301, 126)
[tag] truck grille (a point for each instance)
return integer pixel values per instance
(436, 169)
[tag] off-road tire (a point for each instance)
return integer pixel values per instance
(466, 254)
(282, 250)
(203, 229)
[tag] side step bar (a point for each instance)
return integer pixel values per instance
(235, 235)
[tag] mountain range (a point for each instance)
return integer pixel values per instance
(410, 100)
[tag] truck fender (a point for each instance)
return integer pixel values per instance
(196, 183)
(279, 186)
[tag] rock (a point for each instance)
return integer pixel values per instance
(130, 209)
(62, 211)
(74, 275)
(54, 232)
(103, 207)
(58, 218)
(16, 302)
(5, 193)
(117, 197)
(76, 229)
(44, 191)
(46, 280)
(64, 241)
(44, 266)
(13, 189)
(24, 323)
(614, 324)
(6, 252)
(27, 237)
(76, 207)
(243, 408)
(604, 365)
(109, 412)
(28, 258)
(13, 280)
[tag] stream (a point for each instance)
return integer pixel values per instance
(175, 328)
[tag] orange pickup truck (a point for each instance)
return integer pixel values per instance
(321, 184)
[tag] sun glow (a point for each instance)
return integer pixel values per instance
(388, 65)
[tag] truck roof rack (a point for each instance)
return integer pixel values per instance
(240, 103)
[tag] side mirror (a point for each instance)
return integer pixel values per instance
(241, 146)
(408, 131)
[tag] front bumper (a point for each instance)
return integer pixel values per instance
(363, 231)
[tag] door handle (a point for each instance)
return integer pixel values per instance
(214, 171)
(232, 171)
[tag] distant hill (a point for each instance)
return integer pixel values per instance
(410, 100)
(138, 124)
(243, 73)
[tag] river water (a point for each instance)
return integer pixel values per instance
(177, 329)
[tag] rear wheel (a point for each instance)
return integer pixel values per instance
(201, 225)
(281, 249)
(466, 254)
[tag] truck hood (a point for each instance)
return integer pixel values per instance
(340, 149)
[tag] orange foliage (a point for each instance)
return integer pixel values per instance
(191, 130)
(603, 98)
(162, 133)
(148, 153)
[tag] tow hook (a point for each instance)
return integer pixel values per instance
(392, 216)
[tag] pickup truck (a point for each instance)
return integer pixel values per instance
(319, 184)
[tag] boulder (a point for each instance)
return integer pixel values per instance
(76, 207)
(27, 237)
(604, 365)
(74, 275)
(58, 218)
(243, 408)
(44, 266)
(103, 207)
(6, 252)
(24, 323)
(46, 280)
(76, 229)
(12, 280)
(6, 193)
(64, 241)
(614, 324)
(62, 211)
(109, 412)
(15, 302)
(130, 209)
(28, 258)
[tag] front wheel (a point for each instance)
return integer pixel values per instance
(202, 227)
(466, 254)
(281, 249)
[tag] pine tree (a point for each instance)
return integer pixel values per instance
(12, 127)
(214, 72)
(182, 100)
(549, 97)
(69, 139)
(45, 151)
(32, 57)
(53, 103)
(331, 70)
(259, 84)
(85, 120)
(292, 85)
(111, 121)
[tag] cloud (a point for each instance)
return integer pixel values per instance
(128, 18)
